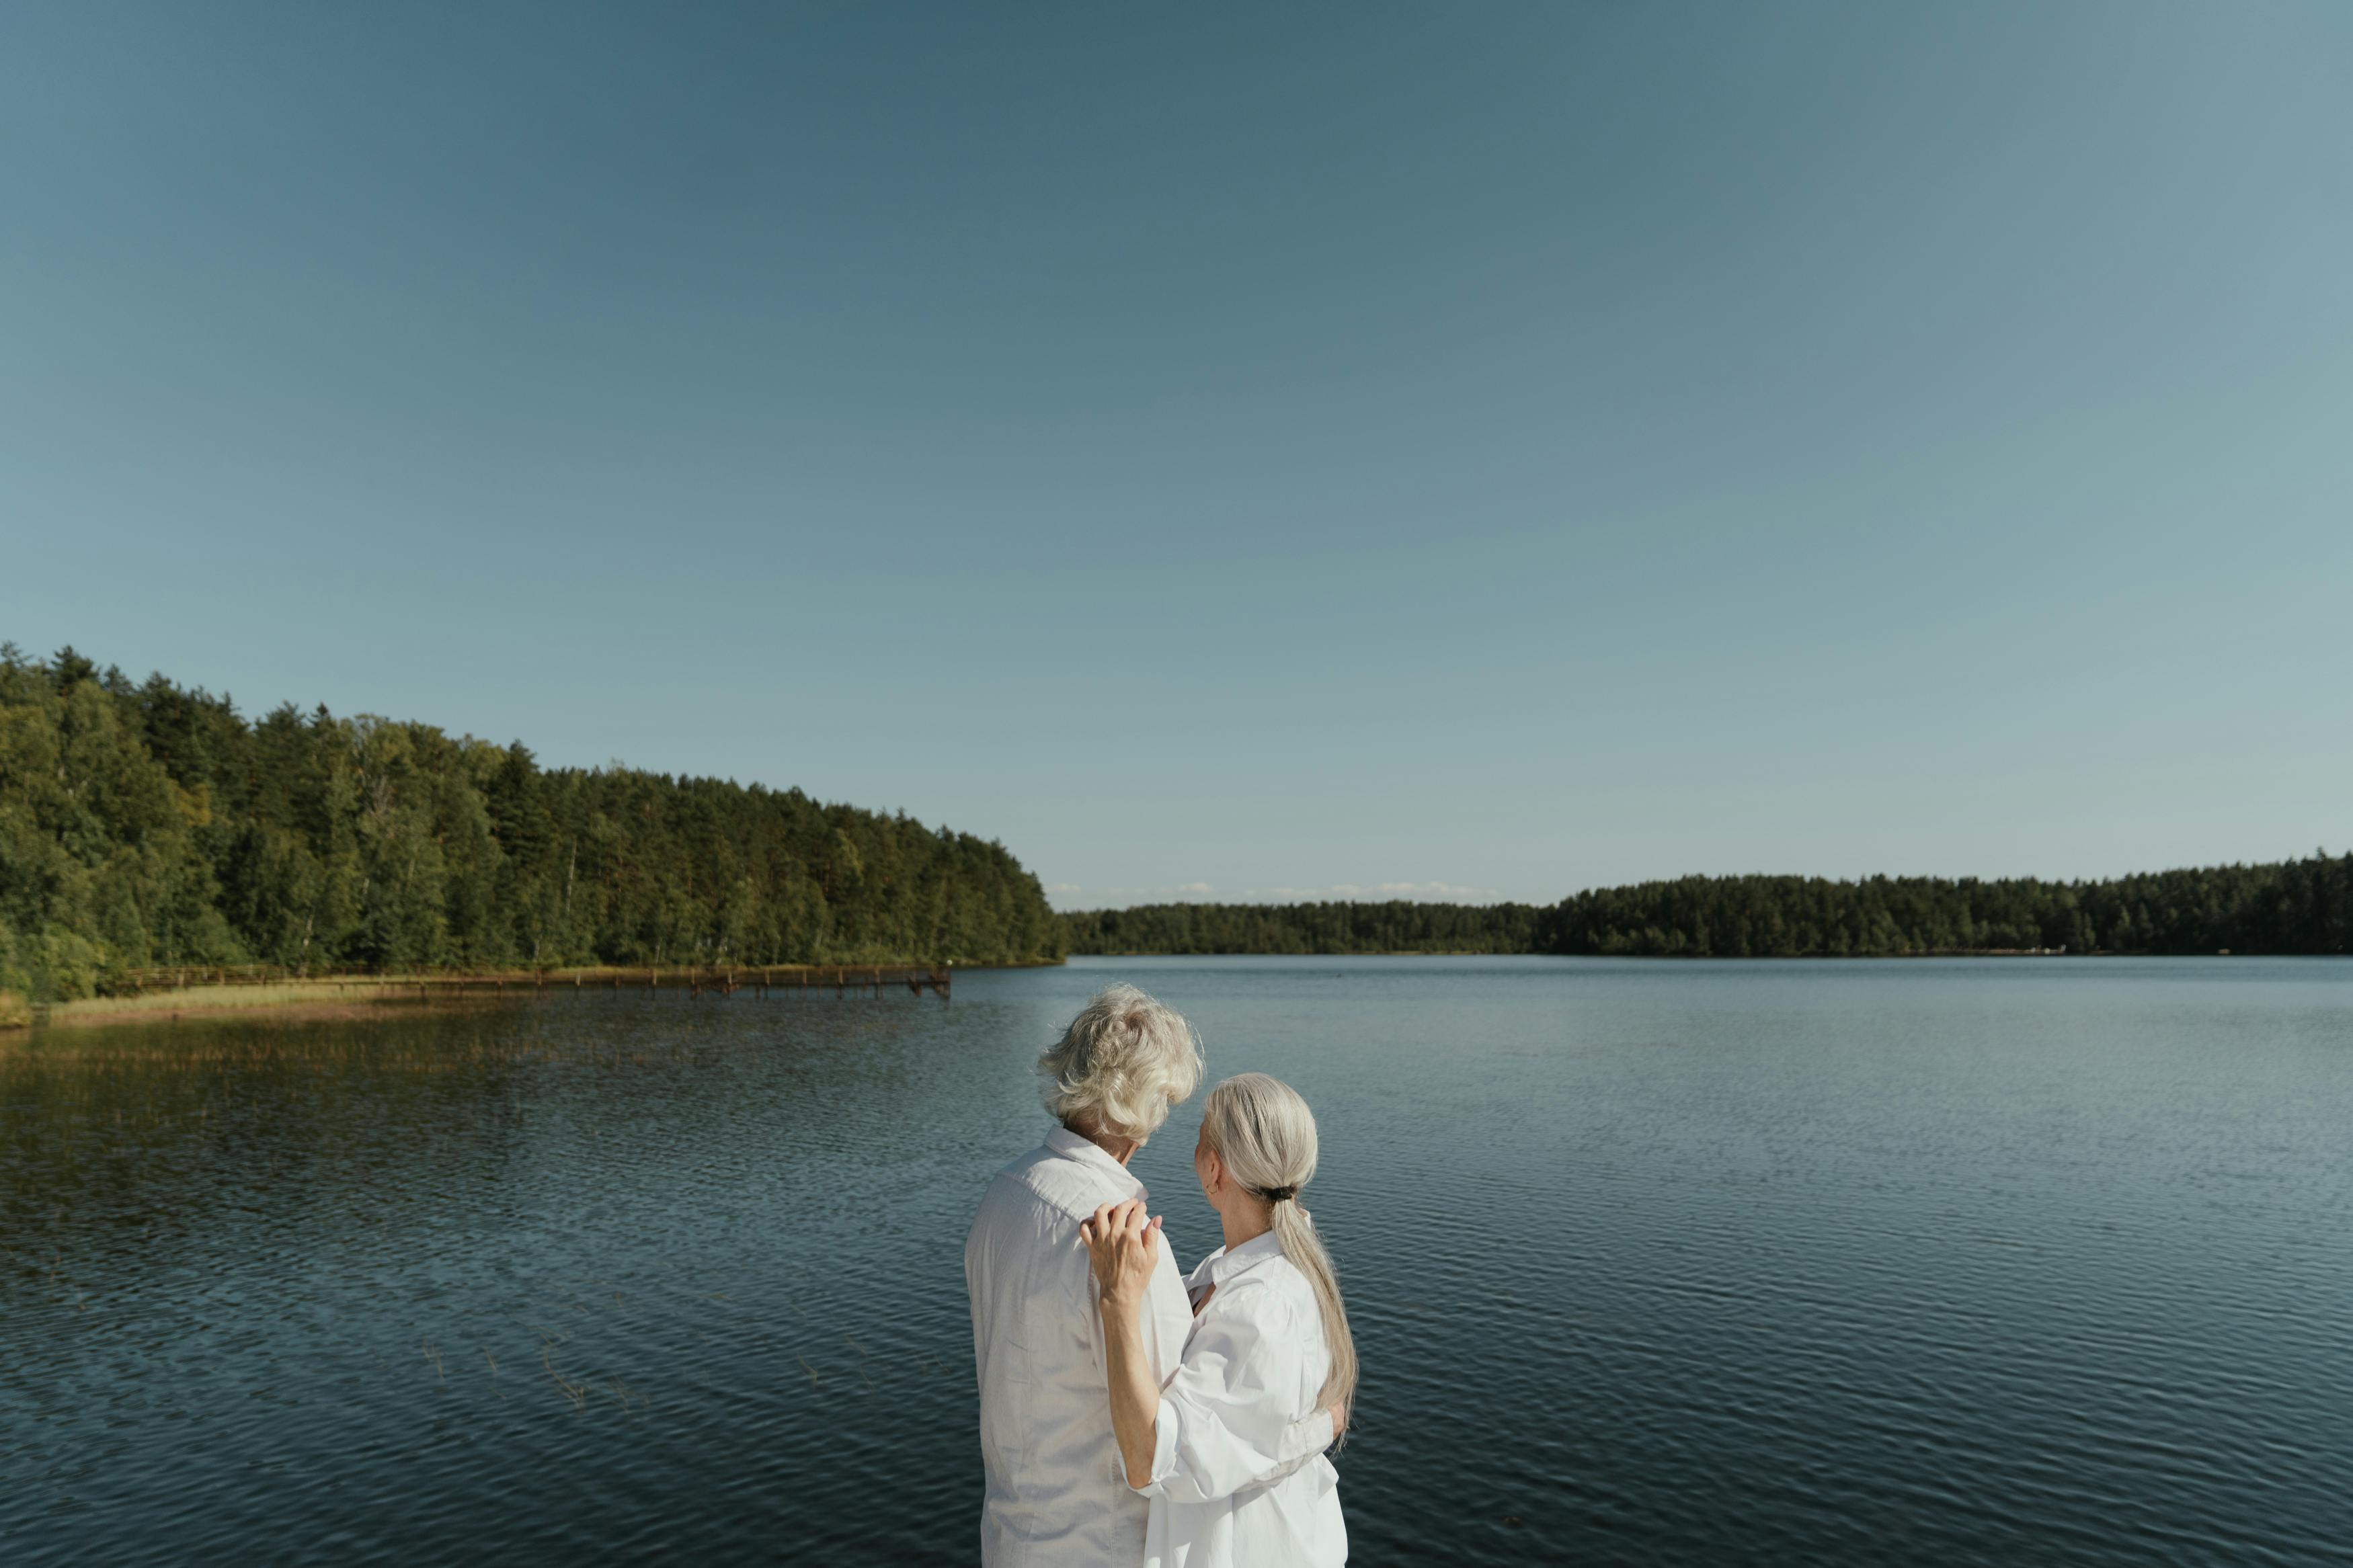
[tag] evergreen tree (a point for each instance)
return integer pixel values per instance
(148, 825)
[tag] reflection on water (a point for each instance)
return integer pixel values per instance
(1677, 1263)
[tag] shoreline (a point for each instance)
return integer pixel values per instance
(318, 999)
(1696, 957)
(170, 995)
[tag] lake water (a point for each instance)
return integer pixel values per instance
(1993, 1262)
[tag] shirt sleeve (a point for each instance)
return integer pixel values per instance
(1168, 1315)
(1224, 1421)
(1303, 1439)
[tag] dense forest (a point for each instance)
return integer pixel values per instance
(2297, 906)
(143, 823)
(1393, 927)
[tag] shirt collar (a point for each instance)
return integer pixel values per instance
(1228, 1261)
(1071, 1146)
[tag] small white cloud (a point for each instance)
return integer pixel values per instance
(1452, 893)
(1073, 896)
(1377, 892)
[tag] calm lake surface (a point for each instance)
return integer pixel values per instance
(2001, 1262)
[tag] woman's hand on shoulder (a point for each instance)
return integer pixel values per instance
(1124, 1244)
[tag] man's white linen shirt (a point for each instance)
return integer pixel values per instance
(1057, 1493)
(1239, 1478)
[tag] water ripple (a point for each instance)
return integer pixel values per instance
(1650, 1263)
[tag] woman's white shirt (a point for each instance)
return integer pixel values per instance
(1238, 1476)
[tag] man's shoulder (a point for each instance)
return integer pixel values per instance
(1045, 1183)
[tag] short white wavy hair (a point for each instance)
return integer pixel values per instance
(1120, 1066)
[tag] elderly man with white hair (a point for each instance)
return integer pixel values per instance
(1058, 1491)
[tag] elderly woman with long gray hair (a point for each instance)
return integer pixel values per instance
(1218, 1449)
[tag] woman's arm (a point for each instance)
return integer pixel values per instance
(1122, 1245)
(1223, 1424)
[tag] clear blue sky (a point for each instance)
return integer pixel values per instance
(1241, 450)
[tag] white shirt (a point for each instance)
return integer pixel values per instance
(1238, 1476)
(1057, 1493)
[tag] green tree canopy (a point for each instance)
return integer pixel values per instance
(145, 823)
(2296, 906)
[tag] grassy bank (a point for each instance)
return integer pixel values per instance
(166, 994)
(355, 997)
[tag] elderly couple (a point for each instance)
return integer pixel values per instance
(1131, 1414)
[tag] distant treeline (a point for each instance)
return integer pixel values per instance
(143, 824)
(1395, 927)
(2296, 905)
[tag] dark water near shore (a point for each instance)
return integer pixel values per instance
(1998, 1262)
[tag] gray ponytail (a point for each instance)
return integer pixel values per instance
(1265, 1135)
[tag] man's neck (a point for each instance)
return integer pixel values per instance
(1120, 1149)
